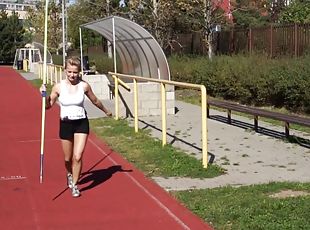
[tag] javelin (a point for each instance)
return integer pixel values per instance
(43, 92)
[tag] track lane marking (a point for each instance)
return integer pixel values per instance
(7, 178)
(170, 213)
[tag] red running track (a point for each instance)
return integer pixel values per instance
(115, 195)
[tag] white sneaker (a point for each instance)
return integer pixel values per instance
(70, 180)
(75, 191)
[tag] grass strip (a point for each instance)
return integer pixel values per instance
(147, 153)
(251, 207)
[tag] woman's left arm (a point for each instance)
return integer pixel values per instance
(92, 97)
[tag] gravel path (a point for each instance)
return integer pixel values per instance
(248, 157)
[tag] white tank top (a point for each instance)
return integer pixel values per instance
(71, 104)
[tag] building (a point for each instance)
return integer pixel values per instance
(19, 6)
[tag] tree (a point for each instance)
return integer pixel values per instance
(296, 12)
(162, 18)
(11, 35)
(166, 18)
(84, 11)
(249, 13)
(275, 8)
(35, 24)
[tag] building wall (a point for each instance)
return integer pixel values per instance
(21, 8)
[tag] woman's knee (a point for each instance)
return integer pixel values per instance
(77, 158)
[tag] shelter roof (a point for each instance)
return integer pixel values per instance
(138, 51)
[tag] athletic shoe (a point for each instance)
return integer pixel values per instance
(70, 180)
(75, 191)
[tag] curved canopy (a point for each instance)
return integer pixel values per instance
(138, 51)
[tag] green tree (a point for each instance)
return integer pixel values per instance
(296, 12)
(11, 35)
(84, 11)
(251, 13)
(35, 24)
(167, 18)
(164, 19)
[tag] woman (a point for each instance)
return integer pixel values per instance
(74, 125)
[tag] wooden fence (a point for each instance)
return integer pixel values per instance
(273, 40)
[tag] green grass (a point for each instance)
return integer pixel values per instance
(38, 82)
(250, 207)
(147, 153)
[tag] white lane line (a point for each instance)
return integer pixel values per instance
(145, 190)
(6, 178)
(37, 140)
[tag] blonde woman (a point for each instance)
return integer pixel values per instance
(74, 125)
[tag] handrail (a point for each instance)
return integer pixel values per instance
(163, 83)
(122, 83)
(54, 73)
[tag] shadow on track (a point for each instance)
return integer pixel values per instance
(97, 177)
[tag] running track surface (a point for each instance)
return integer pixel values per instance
(115, 195)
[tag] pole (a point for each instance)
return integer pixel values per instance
(114, 49)
(63, 33)
(43, 93)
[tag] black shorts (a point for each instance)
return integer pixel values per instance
(68, 128)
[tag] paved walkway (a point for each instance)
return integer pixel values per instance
(248, 157)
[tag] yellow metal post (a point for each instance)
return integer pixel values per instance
(163, 114)
(204, 126)
(61, 73)
(136, 104)
(116, 97)
(40, 77)
(55, 74)
(47, 73)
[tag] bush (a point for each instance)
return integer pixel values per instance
(253, 80)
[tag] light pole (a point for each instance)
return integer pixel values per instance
(64, 31)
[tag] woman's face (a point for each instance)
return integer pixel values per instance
(72, 73)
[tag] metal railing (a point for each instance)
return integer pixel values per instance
(163, 84)
(54, 73)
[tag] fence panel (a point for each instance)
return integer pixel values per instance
(273, 40)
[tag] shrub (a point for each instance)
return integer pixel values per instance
(254, 79)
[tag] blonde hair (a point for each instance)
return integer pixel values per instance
(73, 61)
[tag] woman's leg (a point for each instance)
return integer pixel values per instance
(80, 140)
(67, 147)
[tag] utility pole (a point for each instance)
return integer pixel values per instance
(109, 43)
(64, 42)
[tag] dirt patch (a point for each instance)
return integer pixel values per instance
(289, 193)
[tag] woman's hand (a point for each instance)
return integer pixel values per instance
(43, 90)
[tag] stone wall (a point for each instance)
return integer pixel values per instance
(100, 85)
(149, 96)
(149, 99)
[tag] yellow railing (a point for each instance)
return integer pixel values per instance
(26, 65)
(163, 84)
(54, 73)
